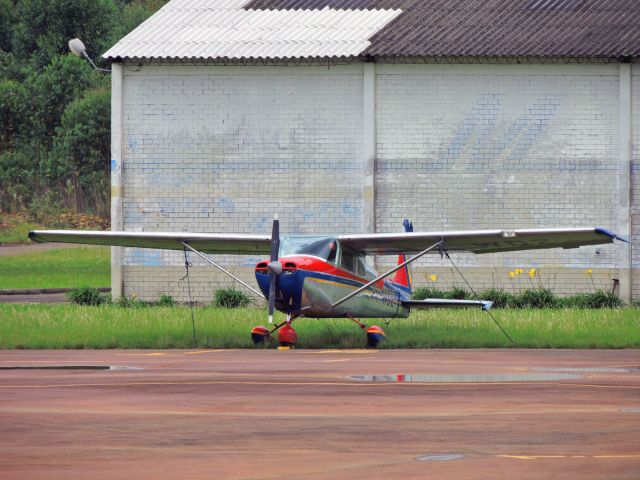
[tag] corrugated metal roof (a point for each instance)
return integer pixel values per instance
(496, 28)
(223, 29)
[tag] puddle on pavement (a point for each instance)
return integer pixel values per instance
(589, 369)
(441, 457)
(481, 378)
(69, 367)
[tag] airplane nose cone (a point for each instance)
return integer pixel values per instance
(275, 267)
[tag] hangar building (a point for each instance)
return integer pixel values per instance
(347, 116)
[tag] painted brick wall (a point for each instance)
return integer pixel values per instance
(221, 149)
(635, 179)
(510, 146)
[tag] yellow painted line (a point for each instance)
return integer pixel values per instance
(200, 352)
(348, 352)
(320, 384)
(617, 456)
(545, 457)
(154, 354)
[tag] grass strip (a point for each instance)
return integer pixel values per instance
(59, 268)
(71, 326)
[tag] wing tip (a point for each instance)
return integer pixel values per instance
(610, 234)
(33, 236)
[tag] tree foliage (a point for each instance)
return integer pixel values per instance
(54, 108)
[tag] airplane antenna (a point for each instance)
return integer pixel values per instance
(193, 319)
(446, 254)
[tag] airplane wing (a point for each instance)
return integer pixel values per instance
(478, 241)
(208, 243)
(443, 303)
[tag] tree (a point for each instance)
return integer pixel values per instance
(7, 20)
(51, 90)
(45, 27)
(13, 112)
(79, 159)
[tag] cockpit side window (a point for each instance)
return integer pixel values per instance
(348, 260)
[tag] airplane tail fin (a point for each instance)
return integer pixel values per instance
(403, 276)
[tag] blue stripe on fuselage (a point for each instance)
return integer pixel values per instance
(290, 285)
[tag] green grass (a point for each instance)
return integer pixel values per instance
(70, 326)
(17, 233)
(63, 268)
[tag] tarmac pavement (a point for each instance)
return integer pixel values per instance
(262, 414)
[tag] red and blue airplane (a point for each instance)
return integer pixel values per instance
(328, 276)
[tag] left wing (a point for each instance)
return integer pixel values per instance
(235, 244)
(478, 241)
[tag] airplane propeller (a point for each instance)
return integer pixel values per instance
(274, 267)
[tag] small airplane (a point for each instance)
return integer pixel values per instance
(324, 276)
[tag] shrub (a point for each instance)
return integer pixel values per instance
(86, 296)
(602, 299)
(165, 301)
(230, 298)
(457, 293)
(538, 298)
(500, 298)
(427, 292)
(130, 302)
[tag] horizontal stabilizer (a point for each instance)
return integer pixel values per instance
(444, 303)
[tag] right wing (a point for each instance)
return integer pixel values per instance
(234, 244)
(478, 241)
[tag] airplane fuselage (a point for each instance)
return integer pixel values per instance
(308, 286)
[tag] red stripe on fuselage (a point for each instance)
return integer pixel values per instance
(315, 264)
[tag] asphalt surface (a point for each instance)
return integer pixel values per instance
(266, 414)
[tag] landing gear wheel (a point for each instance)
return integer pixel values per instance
(287, 336)
(375, 335)
(259, 335)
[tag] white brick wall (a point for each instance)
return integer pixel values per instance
(635, 178)
(215, 149)
(221, 149)
(509, 146)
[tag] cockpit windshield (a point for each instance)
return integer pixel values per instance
(323, 247)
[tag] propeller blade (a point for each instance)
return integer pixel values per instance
(272, 296)
(275, 239)
(275, 247)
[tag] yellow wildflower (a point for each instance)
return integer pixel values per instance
(589, 272)
(512, 274)
(532, 272)
(519, 271)
(433, 278)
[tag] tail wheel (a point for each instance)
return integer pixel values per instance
(259, 335)
(375, 335)
(287, 336)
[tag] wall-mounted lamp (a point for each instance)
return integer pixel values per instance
(77, 48)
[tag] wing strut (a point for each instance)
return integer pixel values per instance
(207, 259)
(385, 275)
(446, 254)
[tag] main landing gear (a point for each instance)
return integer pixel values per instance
(287, 336)
(375, 334)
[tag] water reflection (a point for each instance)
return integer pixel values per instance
(467, 378)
